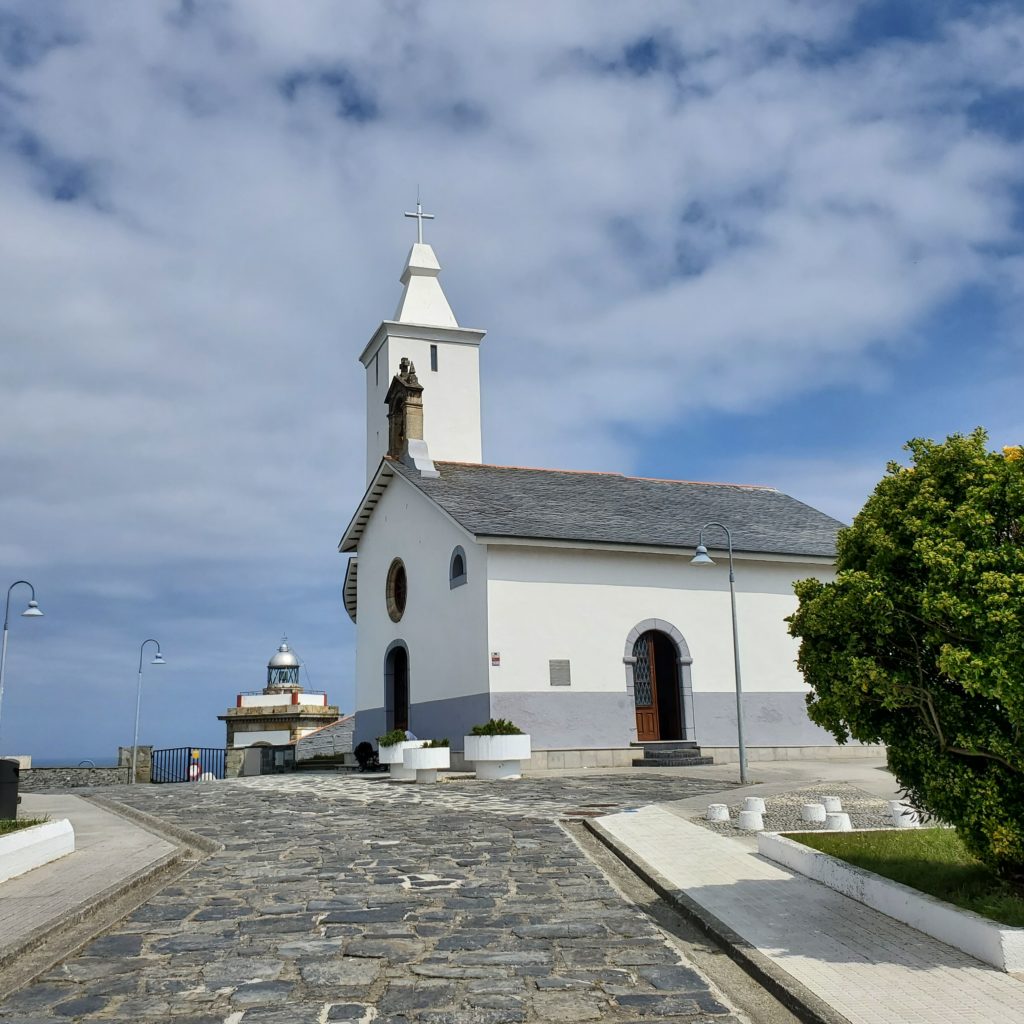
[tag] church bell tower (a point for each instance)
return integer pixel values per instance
(424, 332)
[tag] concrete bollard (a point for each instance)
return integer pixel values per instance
(904, 815)
(754, 803)
(750, 821)
(718, 812)
(832, 804)
(838, 822)
(814, 813)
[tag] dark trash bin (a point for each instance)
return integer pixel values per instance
(9, 771)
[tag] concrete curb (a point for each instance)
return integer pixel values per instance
(22, 963)
(1000, 945)
(90, 906)
(784, 987)
(150, 822)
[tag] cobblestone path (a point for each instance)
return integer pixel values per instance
(340, 898)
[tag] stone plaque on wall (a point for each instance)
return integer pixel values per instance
(559, 672)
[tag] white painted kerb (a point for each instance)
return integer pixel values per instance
(996, 944)
(33, 847)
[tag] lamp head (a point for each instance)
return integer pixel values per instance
(158, 659)
(32, 611)
(701, 556)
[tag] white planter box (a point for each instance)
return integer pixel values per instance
(497, 757)
(427, 761)
(395, 757)
(998, 944)
(33, 847)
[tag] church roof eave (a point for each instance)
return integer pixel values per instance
(350, 589)
(680, 550)
(357, 524)
(386, 472)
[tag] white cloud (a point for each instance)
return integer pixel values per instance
(747, 221)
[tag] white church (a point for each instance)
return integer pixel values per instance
(564, 601)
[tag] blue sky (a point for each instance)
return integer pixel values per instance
(752, 242)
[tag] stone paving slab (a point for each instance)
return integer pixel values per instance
(349, 898)
(869, 967)
(108, 851)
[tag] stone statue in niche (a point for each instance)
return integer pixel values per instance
(405, 419)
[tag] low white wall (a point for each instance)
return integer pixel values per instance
(33, 847)
(996, 944)
(275, 737)
(274, 700)
(846, 752)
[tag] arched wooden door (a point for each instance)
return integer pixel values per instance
(656, 688)
(645, 689)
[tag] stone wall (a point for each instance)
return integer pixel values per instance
(143, 762)
(234, 759)
(331, 739)
(38, 779)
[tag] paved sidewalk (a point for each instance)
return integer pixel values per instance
(868, 967)
(109, 851)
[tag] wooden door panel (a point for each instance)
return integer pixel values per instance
(646, 725)
(645, 691)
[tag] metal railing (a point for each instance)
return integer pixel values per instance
(187, 764)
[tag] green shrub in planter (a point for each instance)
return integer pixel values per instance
(437, 743)
(389, 739)
(496, 727)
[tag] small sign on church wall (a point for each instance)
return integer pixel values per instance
(495, 659)
(559, 672)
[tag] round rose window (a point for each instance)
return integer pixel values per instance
(397, 590)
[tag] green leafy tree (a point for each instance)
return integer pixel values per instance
(919, 641)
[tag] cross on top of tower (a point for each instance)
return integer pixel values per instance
(420, 218)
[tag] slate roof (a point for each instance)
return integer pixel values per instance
(505, 501)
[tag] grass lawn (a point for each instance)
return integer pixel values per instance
(931, 860)
(13, 824)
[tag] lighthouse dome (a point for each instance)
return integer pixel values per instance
(284, 657)
(283, 669)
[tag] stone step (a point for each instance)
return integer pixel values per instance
(667, 745)
(320, 766)
(679, 762)
(671, 762)
(653, 752)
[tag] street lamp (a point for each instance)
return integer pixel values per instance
(158, 659)
(31, 612)
(701, 557)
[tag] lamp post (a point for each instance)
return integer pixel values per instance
(31, 612)
(158, 659)
(701, 557)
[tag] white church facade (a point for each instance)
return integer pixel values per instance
(564, 601)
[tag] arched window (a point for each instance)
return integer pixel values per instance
(457, 568)
(397, 590)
